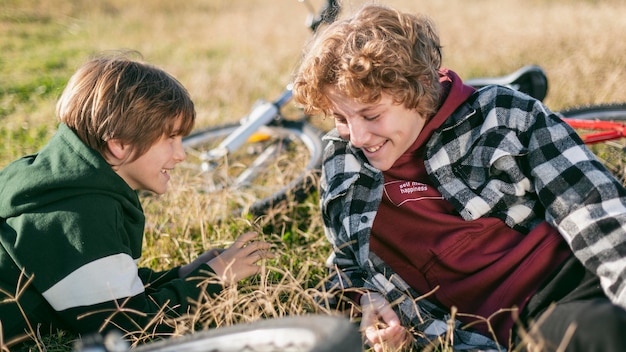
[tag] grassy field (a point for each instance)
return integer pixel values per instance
(229, 53)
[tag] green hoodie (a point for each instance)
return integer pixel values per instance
(71, 233)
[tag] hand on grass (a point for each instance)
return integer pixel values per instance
(238, 261)
(381, 325)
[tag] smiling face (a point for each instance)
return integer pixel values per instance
(150, 171)
(383, 130)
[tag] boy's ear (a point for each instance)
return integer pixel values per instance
(117, 150)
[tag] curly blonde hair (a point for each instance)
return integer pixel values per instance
(377, 50)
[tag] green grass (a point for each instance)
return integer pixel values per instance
(229, 53)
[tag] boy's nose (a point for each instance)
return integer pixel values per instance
(358, 134)
(179, 152)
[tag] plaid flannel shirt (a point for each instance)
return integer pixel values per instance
(500, 154)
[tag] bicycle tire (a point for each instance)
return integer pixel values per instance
(602, 112)
(291, 173)
(312, 333)
(612, 153)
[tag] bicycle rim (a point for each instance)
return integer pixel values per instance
(278, 163)
(314, 333)
(612, 153)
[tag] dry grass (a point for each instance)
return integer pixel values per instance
(229, 53)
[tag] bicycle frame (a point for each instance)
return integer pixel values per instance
(262, 114)
(609, 130)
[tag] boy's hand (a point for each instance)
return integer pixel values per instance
(239, 260)
(381, 325)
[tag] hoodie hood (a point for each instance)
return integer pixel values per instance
(455, 93)
(64, 168)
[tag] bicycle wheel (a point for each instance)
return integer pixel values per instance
(611, 152)
(278, 163)
(314, 333)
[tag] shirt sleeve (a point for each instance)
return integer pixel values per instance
(336, 191)
(582, 199)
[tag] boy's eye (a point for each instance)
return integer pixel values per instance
(370, 118)
(339, 119)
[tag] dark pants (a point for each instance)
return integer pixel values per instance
(571, 309)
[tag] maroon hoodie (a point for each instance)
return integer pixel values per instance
(479, 266)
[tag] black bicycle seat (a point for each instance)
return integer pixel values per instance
(530, 79)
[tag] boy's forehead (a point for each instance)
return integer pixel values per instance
(339, 98)
(176, 126)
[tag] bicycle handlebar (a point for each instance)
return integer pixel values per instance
(327, 14)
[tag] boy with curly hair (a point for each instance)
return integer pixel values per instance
(481, 200)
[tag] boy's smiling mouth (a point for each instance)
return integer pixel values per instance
(375, 148)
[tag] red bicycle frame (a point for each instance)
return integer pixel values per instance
(608, 130)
